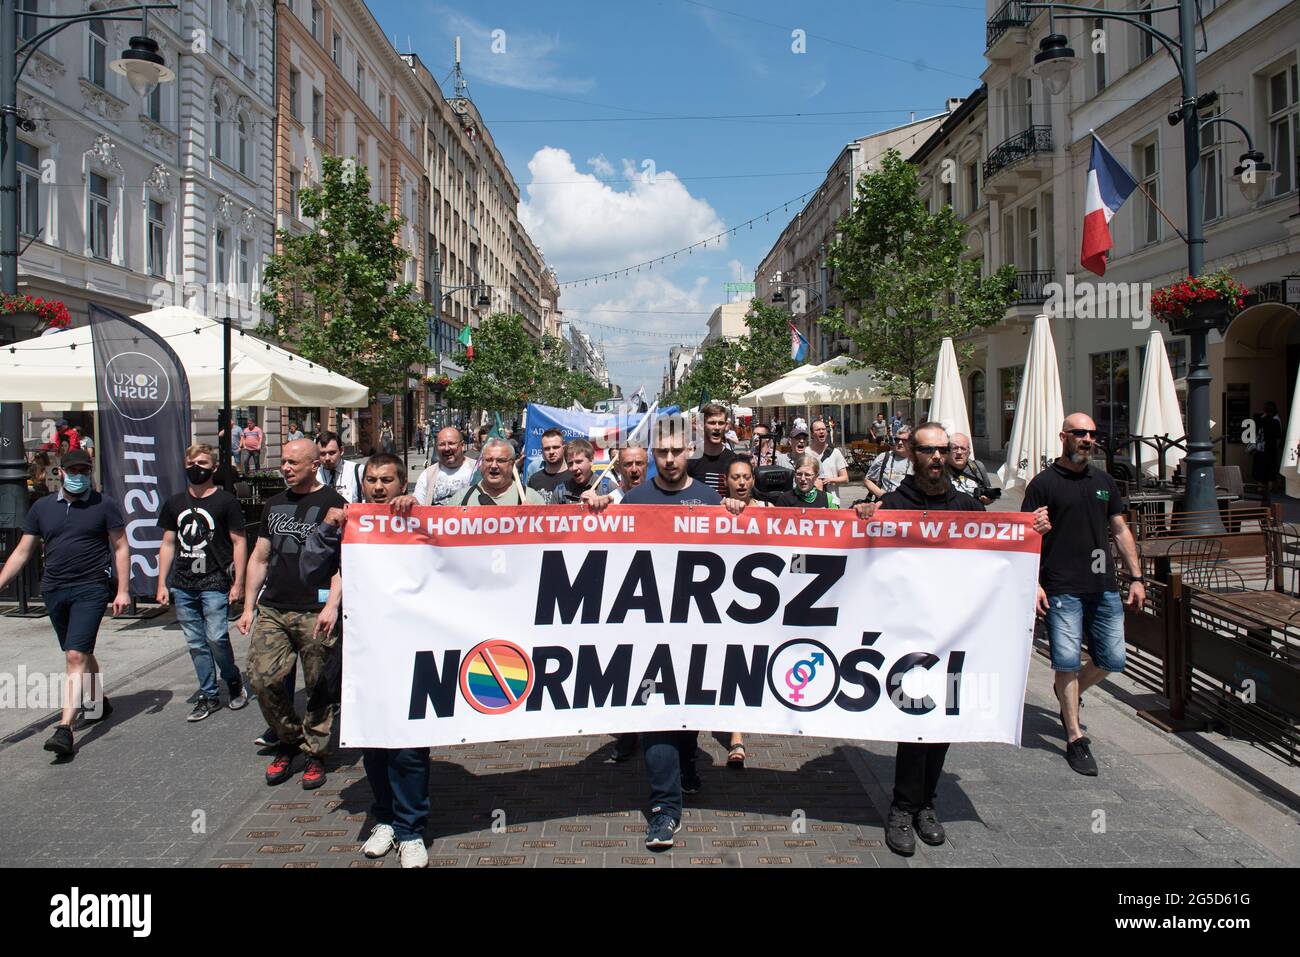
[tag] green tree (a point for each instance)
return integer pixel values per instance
(333, 292)
(902, 269)
(765, 351)
(502, 372)
(714, 374)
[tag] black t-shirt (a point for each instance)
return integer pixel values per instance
(75, 531)
(544, 482)
(712, 469)
(203, 548)
(649, 493)
(287, 521)
(792, 499)
(1079, 505)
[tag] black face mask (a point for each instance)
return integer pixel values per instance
(197, 474)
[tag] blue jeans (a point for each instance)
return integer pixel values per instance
(202, 616)
(1099, 617)
(399, 778)
(250, 461)
(667, 754)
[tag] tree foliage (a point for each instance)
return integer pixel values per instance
(726, 369)
(902, 269)
(333, 292)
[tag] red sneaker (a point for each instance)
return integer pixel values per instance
(280, 768)
(314, 775)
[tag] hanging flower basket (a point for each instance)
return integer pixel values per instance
(28, 316)
(1199, 304)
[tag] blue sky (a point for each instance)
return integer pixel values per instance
(585, 95)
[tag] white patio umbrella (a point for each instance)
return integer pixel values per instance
(1290, 458)
(1036, 431)
(949, 403)
(1158, 412)
(828, 384)
(57, 372)
(753, 398)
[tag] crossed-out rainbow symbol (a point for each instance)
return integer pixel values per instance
(496, 676)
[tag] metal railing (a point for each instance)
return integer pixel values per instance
(1036, 139)
(1010, 14)
(1031, 285)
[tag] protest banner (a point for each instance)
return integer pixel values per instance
(488, 624)
(604, 430)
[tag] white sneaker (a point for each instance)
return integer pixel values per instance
(380, 842)
(413, 853)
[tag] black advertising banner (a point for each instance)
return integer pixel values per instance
(144, 428)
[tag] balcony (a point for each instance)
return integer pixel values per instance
(1031, 286)
(1010, 155)
(1010, 21)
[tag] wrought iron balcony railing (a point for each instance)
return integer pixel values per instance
(1031, 286)
(1036, 139)
(1010, 14)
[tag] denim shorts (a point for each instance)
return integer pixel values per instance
(1099, 615)
(76, 611)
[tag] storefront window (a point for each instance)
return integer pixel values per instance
(1110, 395)
(979, 417)
(1009, 392)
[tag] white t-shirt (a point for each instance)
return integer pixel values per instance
(888, 469)
(446, 483)
(832, 463)
(346, 479)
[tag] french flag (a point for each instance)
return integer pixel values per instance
(798, 344)
(1109, 184)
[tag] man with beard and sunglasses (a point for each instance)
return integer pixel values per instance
(1077, 589)
(917, 767)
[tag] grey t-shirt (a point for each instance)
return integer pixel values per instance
(649, 493)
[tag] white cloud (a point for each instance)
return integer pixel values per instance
(738, 271)
(513, 58)
(601, 166)
(588, 227)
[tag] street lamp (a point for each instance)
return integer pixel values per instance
(1053, 64)
(143, 67)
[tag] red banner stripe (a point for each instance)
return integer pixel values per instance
(449, 527)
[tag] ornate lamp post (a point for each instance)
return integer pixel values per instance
(143, 67)
(1053, 64)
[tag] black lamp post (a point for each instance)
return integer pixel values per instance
(819, 288)
(143, 67)
(1053, 64)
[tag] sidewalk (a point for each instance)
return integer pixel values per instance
(148, 788)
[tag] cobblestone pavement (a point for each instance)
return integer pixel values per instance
(147, 788)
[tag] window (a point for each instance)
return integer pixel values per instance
(1028, 258)
(1283, 128)
(1176, 349)
(243, 263)
(97, 55)
(1009, 391)
(153, 104)
(1110, 395)
(1146, 42)
(28, 26)
(1211, 170)
(361, 80)
(155, 249)
(338, 50)
(293, 194)
(250, 37)
(972, 187)
(29, 189)
(97, 210)
(218, 122)
(1146, 163)
(241, 144)
(1098, 57)
(220, 263)
(318, 115)
(948, 188)
(317, 23)
(294, 79)
(979, 417)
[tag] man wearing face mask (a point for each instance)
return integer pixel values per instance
(85, 550)
(203, 537)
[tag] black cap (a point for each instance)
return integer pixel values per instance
(74, 457)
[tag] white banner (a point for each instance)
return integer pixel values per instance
(488, 624)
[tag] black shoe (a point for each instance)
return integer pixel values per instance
(691, 783)
(625, 747)
(928, 827)
(83, 720)
(205, 707)
(1079, 754)
(899, 835)
(60, 741)
(268, 739)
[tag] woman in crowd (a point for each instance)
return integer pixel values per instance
(806, 494)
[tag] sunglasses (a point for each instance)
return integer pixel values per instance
(1080, 433)
(931, 449)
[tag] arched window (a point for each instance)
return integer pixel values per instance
(97, 55)
(218, 121)
(241, 144)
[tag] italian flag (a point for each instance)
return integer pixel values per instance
(467, 340)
